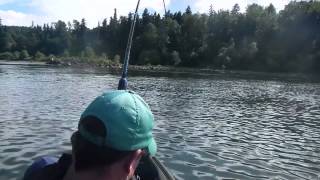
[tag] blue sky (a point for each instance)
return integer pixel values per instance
(23, 12)
(12, 5)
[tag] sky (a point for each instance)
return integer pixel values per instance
(24, 12)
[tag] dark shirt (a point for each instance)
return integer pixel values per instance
(55, 171)
(148, 169)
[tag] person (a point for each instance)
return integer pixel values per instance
(114, 132)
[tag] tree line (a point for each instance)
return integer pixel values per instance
(258, 39)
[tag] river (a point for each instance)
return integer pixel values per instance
(215, 127)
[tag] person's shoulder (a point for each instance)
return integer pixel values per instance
(50, 168)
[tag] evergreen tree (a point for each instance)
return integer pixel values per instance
(260, 39)
(211, 10)
(188, 10)
(236, 9)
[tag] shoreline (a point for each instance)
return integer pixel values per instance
(208, 72)
(171, 71)
(8, 62)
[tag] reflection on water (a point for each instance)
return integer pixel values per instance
(210, 128)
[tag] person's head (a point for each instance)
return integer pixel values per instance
(113, 133)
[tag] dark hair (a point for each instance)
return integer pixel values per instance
(90, 156)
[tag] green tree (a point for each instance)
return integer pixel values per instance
(39, 56)
(24, 55)
(211, 10)
(7, 43)
(236, 9)
(89, 52)
(149, 57)
(6, 56)
(188, 11)
(259, 39)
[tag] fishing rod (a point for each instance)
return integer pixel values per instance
(164, 7)
(123, 82)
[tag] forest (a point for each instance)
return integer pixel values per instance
(256, 39)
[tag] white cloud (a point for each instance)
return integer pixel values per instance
(17, 18)
(203, 5)
(92, 10)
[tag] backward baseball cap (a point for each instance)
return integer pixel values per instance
(127, 119)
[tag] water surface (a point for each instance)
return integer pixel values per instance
(218, 127)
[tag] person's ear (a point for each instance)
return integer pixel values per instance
(133, 162)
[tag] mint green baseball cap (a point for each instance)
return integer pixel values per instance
(127, 119)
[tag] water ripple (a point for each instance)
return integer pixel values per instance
(205, 128)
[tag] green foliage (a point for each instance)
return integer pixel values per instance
(149, 57)
(15, 55)
(6, 41)
(104, 56)
(24, 55)
(259, 39)
(6, 56)
(117, 59)
(66, 53)
(89, 52)
(235, 10)
(39, 56)
(176, 58)
(150, 36)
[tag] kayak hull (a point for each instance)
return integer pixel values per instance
(152, 169)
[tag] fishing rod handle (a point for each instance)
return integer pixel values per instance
(123, 84)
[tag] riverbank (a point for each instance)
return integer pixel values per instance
(5, 62)
(169, 71)
(113, 66)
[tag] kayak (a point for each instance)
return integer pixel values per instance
(150, 168)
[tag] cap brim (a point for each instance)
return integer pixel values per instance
(152, 147)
